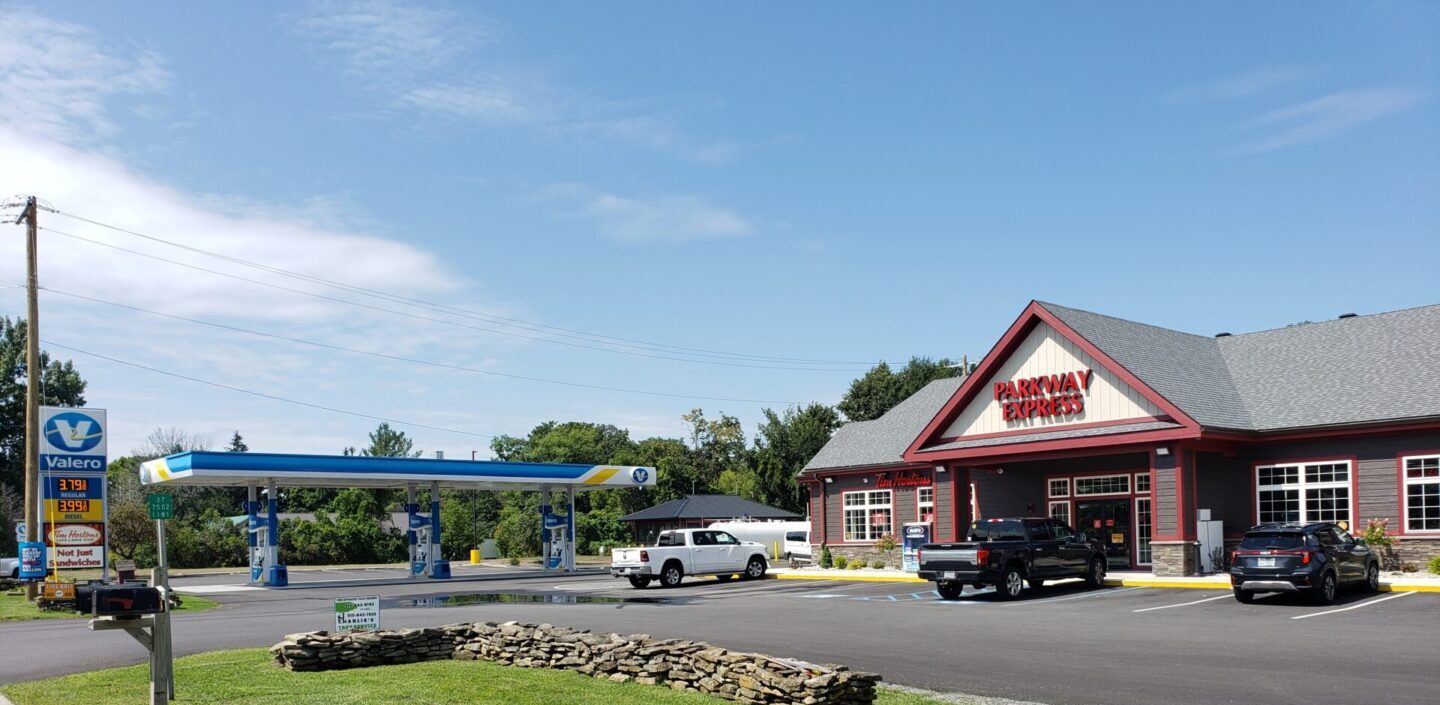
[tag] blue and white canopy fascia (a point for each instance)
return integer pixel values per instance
(241, 469)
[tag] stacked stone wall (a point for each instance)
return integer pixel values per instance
(680, 664)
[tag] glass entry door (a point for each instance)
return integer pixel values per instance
(1107, 521)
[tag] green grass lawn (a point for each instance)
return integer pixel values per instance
(15, 608)
(249, 677)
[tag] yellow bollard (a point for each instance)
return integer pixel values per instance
(776, 551)
(474, 556)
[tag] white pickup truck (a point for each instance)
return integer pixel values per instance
(689, 552)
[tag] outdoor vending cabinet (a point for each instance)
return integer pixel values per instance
(915, 534)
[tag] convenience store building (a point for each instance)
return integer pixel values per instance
(1138, 434)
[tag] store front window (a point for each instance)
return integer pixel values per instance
(1303, 492)
(868, 515)
(1113, 509)
(1422, 493)
(925, 504)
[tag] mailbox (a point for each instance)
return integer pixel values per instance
(118, 600)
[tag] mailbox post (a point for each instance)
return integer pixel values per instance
(143, 612)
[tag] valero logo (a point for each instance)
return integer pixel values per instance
(639, 475)
(73, 431)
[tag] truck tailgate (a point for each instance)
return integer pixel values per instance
(953, 556)
(625, 556)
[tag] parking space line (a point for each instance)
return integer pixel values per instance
(1098, 593)
(1182, 604)
(1353, 607)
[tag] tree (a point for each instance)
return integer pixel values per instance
(169, 440)
(237, 444)
(880, 389)
(130, 527)
(784, 444)
(60, 385)
(386, 442)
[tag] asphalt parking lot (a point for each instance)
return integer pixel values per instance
(1062, 644)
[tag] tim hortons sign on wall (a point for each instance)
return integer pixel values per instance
(903, 479)
(1047, 395)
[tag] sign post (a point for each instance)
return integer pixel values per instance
(162, 656)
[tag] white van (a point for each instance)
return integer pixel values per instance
(790, 538)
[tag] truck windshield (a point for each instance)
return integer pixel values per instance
(1272, 539)
(997, 530)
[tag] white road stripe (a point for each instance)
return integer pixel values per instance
(1098, 593)
(215, 589)
(1352, 607)
(1182, 604)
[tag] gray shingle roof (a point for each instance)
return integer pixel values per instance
(883, 440)
(1382, 367)
(709, 506)
(1365, 369)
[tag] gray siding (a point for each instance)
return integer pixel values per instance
(1015, 492)
(1379, 493)
(1164, 487)
(944, 529)
(1223, 486)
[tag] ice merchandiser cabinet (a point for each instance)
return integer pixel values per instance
(914, 534)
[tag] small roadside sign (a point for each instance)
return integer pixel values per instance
(162, 506)
(19, 531)
(357, 614)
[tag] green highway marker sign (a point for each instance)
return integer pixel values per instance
(162, 506)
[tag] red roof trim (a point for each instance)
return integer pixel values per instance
(1014, 336)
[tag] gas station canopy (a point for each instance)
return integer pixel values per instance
(241, 469)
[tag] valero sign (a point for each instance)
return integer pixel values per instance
(1044, 396)
(72, 466)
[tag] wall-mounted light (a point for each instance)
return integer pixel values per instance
(1162, 451)
(999, 471)
(829, 480)
(940, 468)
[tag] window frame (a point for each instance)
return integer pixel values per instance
(869, 510)
(1129, 487)
(920, 505)
(1404, 484)
(1301, 486)
(1050, 510)
(1050, 487)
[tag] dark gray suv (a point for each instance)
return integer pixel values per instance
(1313, 558)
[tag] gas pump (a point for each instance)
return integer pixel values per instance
(557, 533)
(264, 539)
(423, 536)
(915, 534)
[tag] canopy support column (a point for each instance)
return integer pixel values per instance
(570, 530)
(439, 567)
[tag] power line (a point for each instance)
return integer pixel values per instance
(425, 318)
(400, 358)
(459, 311)
(263, 395)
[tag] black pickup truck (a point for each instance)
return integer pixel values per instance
(1009, 552)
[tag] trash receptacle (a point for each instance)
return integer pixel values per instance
(474, 556)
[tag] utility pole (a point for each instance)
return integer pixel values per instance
(32, 382)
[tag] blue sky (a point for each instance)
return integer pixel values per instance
(826, 181)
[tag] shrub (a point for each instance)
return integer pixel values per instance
(841, 562)
(1408, 567)
(826, 560)
(1434, 565)
(877, 565)
(1377, 535)
(887, 543)
(514, 560)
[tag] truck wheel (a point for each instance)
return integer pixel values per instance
(755, 569)
(949, 591)
(1244, 597)
(1012, 582)
(1095, 574)
(671, 575)
(1324, 593)
(639, 581)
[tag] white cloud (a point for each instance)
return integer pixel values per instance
(490, 99)
(1328, 116)
(666, 218)
(56, 77)
(1243, 85)
(387, 41)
